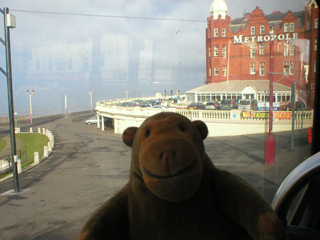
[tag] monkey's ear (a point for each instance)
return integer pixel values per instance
(128, 135)
(202, 128)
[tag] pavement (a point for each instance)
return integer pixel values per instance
(88, 166)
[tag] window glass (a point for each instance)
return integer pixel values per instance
(224, 32)
(216, 51)
(282, 51)
(216, 32)
(286, 27)
(224, 51)
(252, 30)
(131, 50)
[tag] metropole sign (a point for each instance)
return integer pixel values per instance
(266, 38)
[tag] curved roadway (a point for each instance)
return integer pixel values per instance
(86, 167)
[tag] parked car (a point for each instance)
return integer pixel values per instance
(248, 104)
(92, 120)
(196, 105)
(130, 104)
(299, 106)
(228, 104)
(159, 106)
(211, 106)
(297, 201)
(145, 105)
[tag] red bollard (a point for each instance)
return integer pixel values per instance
(270, 150)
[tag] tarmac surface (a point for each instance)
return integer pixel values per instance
(88, 166)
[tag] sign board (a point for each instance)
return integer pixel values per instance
(265, 115)
(264, 106)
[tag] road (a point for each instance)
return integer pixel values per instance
(88, 166)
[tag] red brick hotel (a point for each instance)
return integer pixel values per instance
(244, 53)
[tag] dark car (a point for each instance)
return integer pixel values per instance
(228, 104)
(211, 106)
(196, 105)
(130, 104)
(145, 105)
(299, 106)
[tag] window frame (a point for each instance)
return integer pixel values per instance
(252, 30)
(216, 32)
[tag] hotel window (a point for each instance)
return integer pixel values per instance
(252, 68)
(216, 71)
(288, 49)
(288, 68)
(262, 49)
(316, 23)
(216, 51)
(224, 72)
(224, 51)
(286, 27)
(315, 44)
(252, 51)
(224, 33)
(292, 25)
(262, 68)
(262, 29)
(216, 32)
(253, 30)
(209, 52)
(210, 72)
(291, 50)
(291, 68)
(271, 30)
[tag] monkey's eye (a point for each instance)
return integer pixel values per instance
(181, 127)
(147, 133)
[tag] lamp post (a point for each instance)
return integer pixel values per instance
(270, 144)
(30, 95)
(127, 93)
(90, 93)
(301, 67)
(10, 22)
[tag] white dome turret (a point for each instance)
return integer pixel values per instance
(219, 7)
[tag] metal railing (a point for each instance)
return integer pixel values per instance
(6, 163)
(215, 115)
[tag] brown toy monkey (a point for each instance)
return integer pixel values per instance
(175, 192)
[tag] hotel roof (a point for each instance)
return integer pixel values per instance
(237, 86)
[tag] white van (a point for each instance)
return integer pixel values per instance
(248, 105)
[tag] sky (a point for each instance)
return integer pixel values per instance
(65, 47)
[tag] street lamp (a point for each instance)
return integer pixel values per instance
(10, 22)
(30, 95)
(270, 143)
(90, 93)
(127, 92)
(301, 67)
